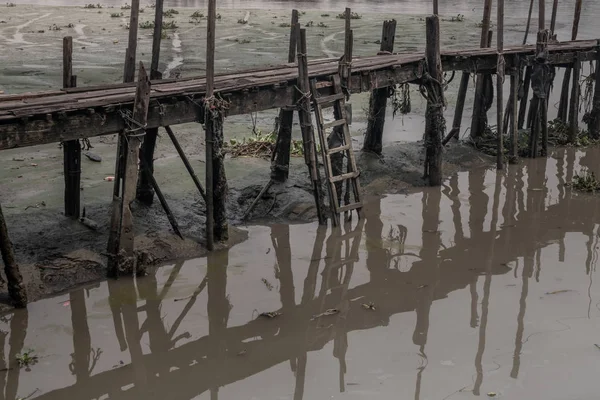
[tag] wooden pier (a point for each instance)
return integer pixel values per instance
(135, 111)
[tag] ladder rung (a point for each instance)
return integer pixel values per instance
(330, 99)
(333, 124)
(343, 177)
(350, 207)
(338, 149)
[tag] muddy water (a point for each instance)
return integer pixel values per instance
(486, 285)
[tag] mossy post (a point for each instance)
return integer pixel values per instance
(479, 118)
(145, 192)
(434, 119)
(71, 148)
(280, 161)
(16, 288)
(594, 121)
(378, 101)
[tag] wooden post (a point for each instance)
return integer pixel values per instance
(528, 22)
(71, 148)
(130, 53)
(122, 256)
(460, 107)
(346, 67)
(523, 105)
(16, 288)
(479, 113)
(186, 162)
(216, 180)
(542, 21)
(145, 192)
(554, 14)
(564, 94)
(541, 80)
(436, 7)
(308, 134)
(594, 122)
(500, 86)
(434, 122)
(574, 106)
(378, 101)
(280, 161)
(514, 128)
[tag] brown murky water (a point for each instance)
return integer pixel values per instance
(485, 285)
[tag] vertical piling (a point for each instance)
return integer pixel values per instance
(210, 73)
(16, 288)
(479, 113)
(71, 148)
(594, 121)
(436, 7)
(574, 106)
(145, 193)
(553, 18)
(130, 53)
(514, 128)
(123, 253)
(280, 161)
(564, 94)
(346, 64)
(542, 15)
(378, 101)
(434, 121)
(500, 86)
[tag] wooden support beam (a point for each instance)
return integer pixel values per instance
(434, 122)
(574, 106)
(280, 160)
(500, 72)
(186, 162)
(130, 53)
(460, 108)
(16, 288)
(541, 80)
(594, 121)
(145, 189)
(563, 107)
(71, 148)
(554, 15)
(436, 7)
(378, 101)
(524, 100)
(210, 76)
(308, 133)
(514, 109)
(542, 15)
(121, 251)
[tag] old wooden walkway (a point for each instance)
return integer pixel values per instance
(31, 119)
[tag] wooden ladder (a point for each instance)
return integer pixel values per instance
(329, 94)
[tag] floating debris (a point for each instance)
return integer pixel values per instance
(267, 284)
(369, 306)
(92, 156)
(331, 311)
(492, 394)
(560, 291)
(270, 314)
(242, 353)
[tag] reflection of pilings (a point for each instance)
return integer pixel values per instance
(18, 330)
(300, 376)
(527, 273)
(485, 303)
(82, 342)
(218, 307)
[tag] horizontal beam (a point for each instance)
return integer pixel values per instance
(52, 128)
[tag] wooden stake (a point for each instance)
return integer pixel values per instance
(16, 288)
(130, 53)
(478, 111)
(122, 260)
(71, 148)
(514, 128)
(436, 7)
(378, 101)
(186, 162)
(574, 106)
(500, 86)
(554, 14)
(523, 105)
(308, 134)
(348, 39)
(460, 107)
(210, 76)
(145, 189)
(280, 161)
(528, 26)
(434, 123)
(542, 20)
(564, 95)
(594, 123)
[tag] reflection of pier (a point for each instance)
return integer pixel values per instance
(213, 361)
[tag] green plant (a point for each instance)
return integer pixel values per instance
(54, 27)
(147, 25)
(242, 21)
(325, 15)
(93, 6)
(125, 7)
(26, 359)
(197, 15)
(353, 15)
(322, 25)
(169, 25)
(170, 13)
(585, 181)
(285, 25)
(309, 24)
(116, 15)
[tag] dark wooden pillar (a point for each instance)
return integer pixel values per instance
(574, 106)
(378, 101)
(71, 148)
(145, 192)
(280, 162)
(594, 121)
(434, 120)
(16, 288)
(563, 107)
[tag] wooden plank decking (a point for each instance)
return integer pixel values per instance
(45, 117)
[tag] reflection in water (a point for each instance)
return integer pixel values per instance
(159, 329)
